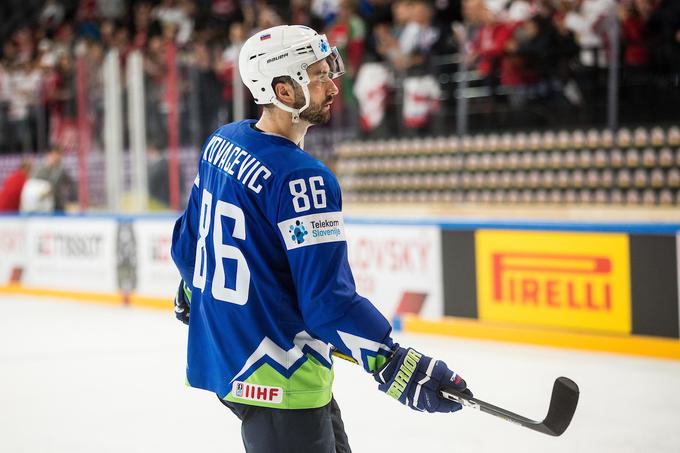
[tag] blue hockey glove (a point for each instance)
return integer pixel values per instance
(415, 379)
(183, 302)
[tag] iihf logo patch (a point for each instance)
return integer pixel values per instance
(299, 231)
(323, 46)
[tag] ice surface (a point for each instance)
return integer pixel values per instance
(90, 378)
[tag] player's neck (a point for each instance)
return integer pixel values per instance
(280, 123)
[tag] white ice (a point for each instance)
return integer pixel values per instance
(91, 378)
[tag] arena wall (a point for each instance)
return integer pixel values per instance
(609, 287)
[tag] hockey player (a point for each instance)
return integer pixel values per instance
(267, 290)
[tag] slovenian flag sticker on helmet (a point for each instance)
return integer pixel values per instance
(265, 36)
(323, 45)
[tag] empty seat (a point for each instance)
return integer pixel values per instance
(632, 196)
(507, 141)
(541, 196)
(570, 196)
(593, 178)
(506, 179)
(548, 141)
(623, 178)
(600, 158)
(649, 157)
(500, 161)
(527, 159)
(563, 140)
(623, 137)
(555, 196)
(658, 137)
(641, 137)
(527, 196)
(519, 179)
(485, 161)
(593, 138)
(616, 196)
(649, 197)
(632, 157)
(480, 143)
(540, 159)
(534, 179)
(570, 159)
(585, 197)
(578, 139)
(616, 158)
(513, 160)
(556, 159)
(548, 179)
(563, 179)
(493, 143)
(665, 197)
(607, 138)
(479, 180)
(673, 178)
(673, 136)
(493, 179)
(657, 179)
(520, 141)
(600, 196)
(641, 178)
(577, 179)
(665, 157)
(472, 161)
(585, 158)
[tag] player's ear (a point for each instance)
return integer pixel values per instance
(285, 93)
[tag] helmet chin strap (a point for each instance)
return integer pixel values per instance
(295, 113)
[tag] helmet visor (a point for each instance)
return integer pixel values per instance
(334, 60)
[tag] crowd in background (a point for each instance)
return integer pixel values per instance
(398, 55)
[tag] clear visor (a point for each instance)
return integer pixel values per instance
(334, 60)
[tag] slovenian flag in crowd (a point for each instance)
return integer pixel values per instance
(265, 36)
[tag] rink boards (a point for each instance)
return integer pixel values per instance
(597, 286)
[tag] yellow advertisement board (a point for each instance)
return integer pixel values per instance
(554, 279)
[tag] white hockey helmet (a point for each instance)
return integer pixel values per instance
(285, 50)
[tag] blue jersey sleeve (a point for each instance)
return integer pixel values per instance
(184, 236)
(310, 222)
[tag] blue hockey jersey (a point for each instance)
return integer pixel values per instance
(262, 247)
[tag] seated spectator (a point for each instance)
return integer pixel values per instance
(10, 193)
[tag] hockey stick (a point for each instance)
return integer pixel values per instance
(560, 412)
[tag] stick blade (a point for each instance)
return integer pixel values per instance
(563, 404)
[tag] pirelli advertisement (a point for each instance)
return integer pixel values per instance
(572, 280)
(599, 282)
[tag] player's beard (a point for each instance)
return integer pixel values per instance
(315, 113)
